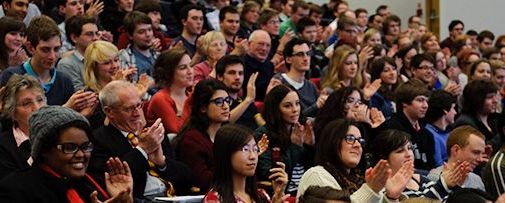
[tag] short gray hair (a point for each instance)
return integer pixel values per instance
(15, 84)
(109, 94)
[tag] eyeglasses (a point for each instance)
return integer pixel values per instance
(351, 139)
(72, 148)
(274, 22)
(352, 100)
(248, 148)
(133, 108)
(303, 54)
(427, 67)
(221, 100)
(32, 102)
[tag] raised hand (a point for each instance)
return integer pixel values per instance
(122, 197)
(80, 100)
(251, 87)
(371, 89)
(263, 144)
(297, 134)
(156, 44)
(95, 8)
(144, 83)
(279, 179)
(119, 177)
(360, 113)
(308, 135)
(377, 176)
(455, 174)
(321, 99)
(396, 184)
(376, 118)
(150, 138)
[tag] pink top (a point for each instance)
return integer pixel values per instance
(202, 71)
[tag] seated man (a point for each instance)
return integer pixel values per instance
(464, 144)
(147, 151)
(297, 56)
(230, 71)
(412, 104)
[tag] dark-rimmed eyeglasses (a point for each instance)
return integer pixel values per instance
(71, 148)
(220, 101)
(351, 139)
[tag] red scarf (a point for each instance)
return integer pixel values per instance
(72, 195)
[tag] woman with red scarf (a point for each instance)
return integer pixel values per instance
(61, 150)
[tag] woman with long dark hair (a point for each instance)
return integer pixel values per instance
(234, 179)
(384, 69)
(338, 154)
(210, 109)
(289, 141)
(12, 37)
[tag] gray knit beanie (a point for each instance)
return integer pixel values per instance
(45, 121)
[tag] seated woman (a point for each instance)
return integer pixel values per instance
(101, 66)
(210, 109)
(23, 95)
(386, 70)
(429, 42)
(234, 180)
(61, 150)
(173, 75)
(12, 33)
(337, 159)
(480, 101)
(347, 103)
(480, 69)
(343, 70)
(289, 141)
(396, 148)
(213, 47)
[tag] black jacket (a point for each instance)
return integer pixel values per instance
(110, 142)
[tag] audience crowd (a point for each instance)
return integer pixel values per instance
(246, 101)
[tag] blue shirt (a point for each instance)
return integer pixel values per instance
(440, 138)
(29, 70)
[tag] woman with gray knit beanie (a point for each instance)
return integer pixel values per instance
(61, 149)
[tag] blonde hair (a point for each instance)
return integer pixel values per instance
(332, 78)
(209, 37)
(425, 38)
(97, 52)
(369, 34)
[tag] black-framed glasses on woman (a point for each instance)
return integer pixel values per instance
(221, 100)
(351, 139)
(71, 148)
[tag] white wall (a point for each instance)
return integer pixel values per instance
(403, 8)
(477, 15)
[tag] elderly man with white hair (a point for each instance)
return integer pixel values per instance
(256, 60)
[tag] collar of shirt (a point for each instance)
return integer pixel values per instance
(29, 70)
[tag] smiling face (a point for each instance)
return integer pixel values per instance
(17, 8)
(143, 36)
(217, 49)
(184, 73)
(27, 101)
(472, 152)
(425, 72)
(69, 165)
(482, 71)
(290, 108)
(417, 108)
(14, 40)
(350, 153)
(106, 71)
(399, 156)
(389, 75)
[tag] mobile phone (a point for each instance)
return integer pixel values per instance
(276, 156)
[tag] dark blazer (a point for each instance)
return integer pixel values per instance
(110, 142)
(12, 157)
